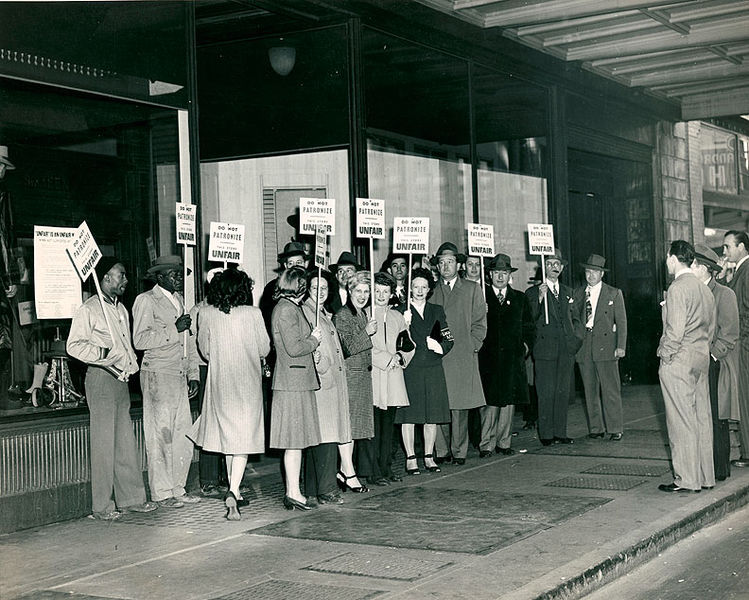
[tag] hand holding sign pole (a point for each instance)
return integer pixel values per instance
(481, 244)
(321, 246)
(410, 236)
(185, 221)
(317, 217)
(541, 241)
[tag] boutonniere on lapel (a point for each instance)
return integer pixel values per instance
(571, 300)
(507, 302)
(611, 303)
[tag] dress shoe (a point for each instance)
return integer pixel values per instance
(395, 478)
(415, 469)
(672, 487)
(331, 498)
(708, 487)
(564, 440)
(381, 481)
(615, 437)
(291, 504)
(459, 461)
(140, 508)
(596, 435)
(443, 459)
(485, 453)
(346, 486)
(505, 451)
(431, 468)
(547, 442)
(740, 462)
(232, 511)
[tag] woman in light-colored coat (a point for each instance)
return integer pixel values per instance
(388, 384)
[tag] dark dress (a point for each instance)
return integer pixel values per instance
(425, 378)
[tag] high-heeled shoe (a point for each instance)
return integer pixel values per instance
(433, 469)
(345, 486)
(290, 504)
(232, 512)
(412, 471)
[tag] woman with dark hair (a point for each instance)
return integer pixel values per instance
(355, 328)
(332, 398)
(232, 338)
(294, 423)
(392, 350)
(425, 379)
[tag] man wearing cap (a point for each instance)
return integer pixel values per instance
(397, 266)
(554, 350)
(293, 255)
(343, 269)
(600, 309)
(684, 349)
(102, 341)
(465, 309)
(736, 250)
(169, 376)
(509, 338)
(723, 371)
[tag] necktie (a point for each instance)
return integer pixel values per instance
(555, 291)
(588, 307)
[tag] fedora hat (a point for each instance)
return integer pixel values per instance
(501, 262)
(346, 258)
(595, 261)
(4, 158)
(292, 249)
(707, 256)
(450, 249)
(165, 263)
(557, 255)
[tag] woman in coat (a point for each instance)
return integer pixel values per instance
(388, 385)
(294, 423)
(425, 378)
(332, 399)
(355, 328)
(232, 338)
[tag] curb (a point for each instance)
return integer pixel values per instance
(614, 567)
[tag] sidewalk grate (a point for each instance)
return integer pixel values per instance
(629, 469)
(597, 483)
(383, 566)
(292, 590)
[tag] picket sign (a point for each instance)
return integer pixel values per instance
(541, 242)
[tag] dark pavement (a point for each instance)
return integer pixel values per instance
(550, 522)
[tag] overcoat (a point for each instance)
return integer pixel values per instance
(725, 348)
(357, 350)
(510, 330)
(295, 367)
(388, 385)
(465, 310)
(609, 323)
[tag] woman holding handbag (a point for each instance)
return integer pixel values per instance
(294, 423)
(392, 350)
(425, 378)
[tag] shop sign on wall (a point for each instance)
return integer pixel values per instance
(316, 213)
(226, 242)
(57, 289)
(718, 160)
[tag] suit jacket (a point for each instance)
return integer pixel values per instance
(688, 323)
(510, 328)
(465, 310)
(609, 324)
(295, 367)
(562, 333)
(725, 348)
(740, 285)
(155, 332)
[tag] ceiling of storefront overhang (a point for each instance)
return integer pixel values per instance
(694, 53)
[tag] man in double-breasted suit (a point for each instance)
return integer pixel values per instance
(554, 350)
(464, 306)
(509, 338)
(600, 310)
(684, 350)
(736, 250)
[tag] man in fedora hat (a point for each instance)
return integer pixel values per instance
(115, 462)
(510, 332)
(554, 350)
(294, 255)
(600, 310)
(169, 376)
(465, 309)
(343, 269)
(723, 373)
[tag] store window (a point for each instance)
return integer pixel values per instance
(512, 162)
(75, 157)
(418, 137)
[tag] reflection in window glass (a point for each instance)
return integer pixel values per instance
(718, 160)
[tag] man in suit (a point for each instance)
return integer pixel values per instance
(554, 350)
(293, 255)
(600, 309)
(343, 270)
(723, 356)
(397, 266)
(464, 306)
(684, 350)
(169, 376)
(736, 250)
(473, 269)
(509, 338)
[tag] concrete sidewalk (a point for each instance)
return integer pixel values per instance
(551, 522)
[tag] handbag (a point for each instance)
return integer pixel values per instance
(404, 343)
